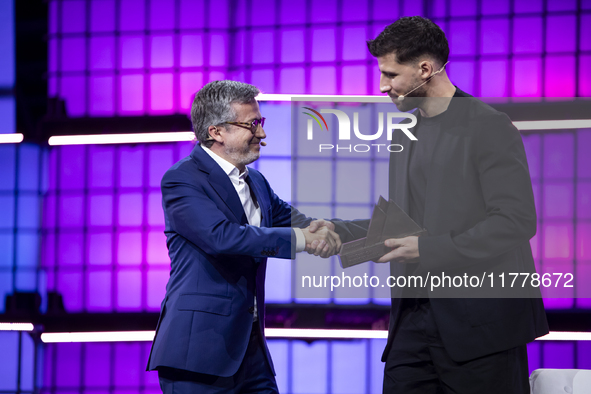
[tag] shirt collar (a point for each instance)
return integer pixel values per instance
(228, 167)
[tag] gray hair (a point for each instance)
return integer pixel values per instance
(212, 105)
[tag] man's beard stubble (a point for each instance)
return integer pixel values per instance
(243, 155)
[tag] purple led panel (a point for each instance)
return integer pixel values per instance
(192, 14)
(102, 16)
(463, 7)
(561, 33)
(293, 80)
(354, 11)
(494, 37)
(103, 247)
(98, 368)
(164, 42)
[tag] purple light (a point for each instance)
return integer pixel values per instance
(561, 33)
(73, 90)
(156, 287)
(461, 36)
(354, 10)
(129, 290)
(526, 6)
(130, 209)
(264, 79)
(323, 80)
(383, 10)
(131, 51)
(558, 355)
(102, 16)
(527, 78)
(585, 78)
(131, 101)
(100, 249)
(191, 50)
(162, 53)
(161, 14)
(293, 12)
(558, 241)
(129, 245)
(324, 11)
(262, 40)
(98, 291)
(463, 7)
(73, 51)
(265, 11)
(191, 14)
(101, 96)
(97, 364)
(560, 76)
(73, 16)
(157, 253)
(131, 167)
(354, 80)
(292, 80)
(497, 85)
(131, 16)
(191, 82)
(155, 214)
(494, 37)
(527, 34)
(354, 47)
(323, 45)
(462, 74)
(292, 46)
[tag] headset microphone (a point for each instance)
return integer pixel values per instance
(402, 96)
(263, 143)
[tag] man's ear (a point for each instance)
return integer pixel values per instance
(426, 68)
(214, 134)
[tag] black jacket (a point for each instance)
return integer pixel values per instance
(480, 215)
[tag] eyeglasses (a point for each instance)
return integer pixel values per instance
(253, 126)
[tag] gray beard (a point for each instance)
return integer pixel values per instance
(242, 156)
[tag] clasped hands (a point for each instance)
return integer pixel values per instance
(321, 240)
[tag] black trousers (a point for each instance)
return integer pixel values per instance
(419, 363)
(253, 376)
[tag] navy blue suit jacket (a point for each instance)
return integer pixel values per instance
(218, 262)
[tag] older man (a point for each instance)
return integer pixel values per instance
(222, 222)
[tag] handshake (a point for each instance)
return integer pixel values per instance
(321, 240)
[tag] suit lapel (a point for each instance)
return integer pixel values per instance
(255, 187)
(220, 182)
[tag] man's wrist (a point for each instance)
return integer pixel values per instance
(300, 240)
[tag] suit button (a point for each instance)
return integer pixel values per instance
(251, 309)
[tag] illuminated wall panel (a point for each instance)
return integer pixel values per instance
(134, 57)
(322, 366)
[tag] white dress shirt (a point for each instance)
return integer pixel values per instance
(252, 211)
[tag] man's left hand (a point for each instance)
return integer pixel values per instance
(404, 250)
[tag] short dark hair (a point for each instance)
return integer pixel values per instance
(410, 38)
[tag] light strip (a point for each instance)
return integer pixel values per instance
(553, 124)
(324, 98)
(16, 327)
(12, 138)
(324, 333)
(135, 138)
(566, 336)
(105, 336)
(304, 333)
